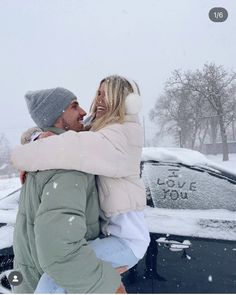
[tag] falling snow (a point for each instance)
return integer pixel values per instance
(210, 279)
(55, 185)
(71, 219)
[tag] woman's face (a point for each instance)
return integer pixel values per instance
(101, 103)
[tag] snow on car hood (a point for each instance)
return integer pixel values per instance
(8, 210)
(6, 234)
(214, 224)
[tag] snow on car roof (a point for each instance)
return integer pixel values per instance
(182, 155)
(176, 155)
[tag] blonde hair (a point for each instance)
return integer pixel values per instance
(116, 89)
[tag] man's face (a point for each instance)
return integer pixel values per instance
(72, 118)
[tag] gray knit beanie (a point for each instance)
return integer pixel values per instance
(47, 105)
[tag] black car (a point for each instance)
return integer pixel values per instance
(191, 216)
(192, 223)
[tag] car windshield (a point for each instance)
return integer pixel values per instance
(176, 186)
(190, 201)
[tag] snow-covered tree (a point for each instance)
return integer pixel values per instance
(197, 103)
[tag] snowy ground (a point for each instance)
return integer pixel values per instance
(199, 223)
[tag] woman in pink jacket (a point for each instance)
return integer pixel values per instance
(112, 150)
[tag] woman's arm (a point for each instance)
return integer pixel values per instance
(101, 153)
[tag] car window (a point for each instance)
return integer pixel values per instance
(174, 186)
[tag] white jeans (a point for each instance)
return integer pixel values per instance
(110, 249)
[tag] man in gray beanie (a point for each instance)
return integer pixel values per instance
(46, 106)
(59, 211)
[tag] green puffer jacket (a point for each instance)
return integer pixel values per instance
(58, 212)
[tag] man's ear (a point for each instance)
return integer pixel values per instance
(59, 123)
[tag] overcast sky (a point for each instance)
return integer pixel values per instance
(75, 43)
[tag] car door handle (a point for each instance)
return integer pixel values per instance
(174, 245)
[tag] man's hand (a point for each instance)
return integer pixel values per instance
(121, 290)
(42, 135)
(22, 177)
(122, 269)
(46, 134)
